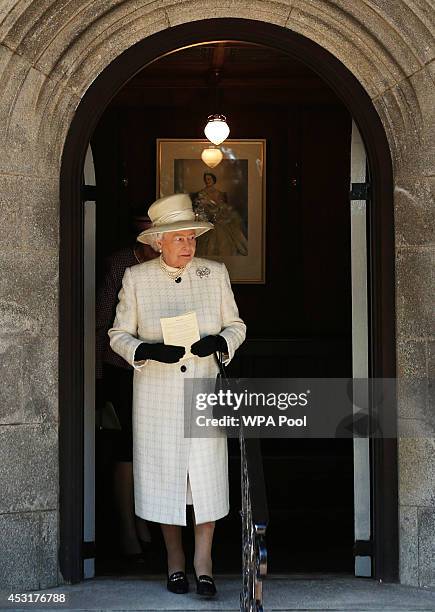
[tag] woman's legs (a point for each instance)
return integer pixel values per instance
(118, 388)
(174, 548)
(131, 527)
(203, 543)
(123, 489)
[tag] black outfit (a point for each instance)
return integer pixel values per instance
(118, 389)
(116, 373)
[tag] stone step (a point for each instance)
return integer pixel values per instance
(341, 593)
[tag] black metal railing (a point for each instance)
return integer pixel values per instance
(264, 358)
(254, 516)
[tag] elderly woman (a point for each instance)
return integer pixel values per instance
(171, 471)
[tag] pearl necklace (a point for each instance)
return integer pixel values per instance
(172, 274)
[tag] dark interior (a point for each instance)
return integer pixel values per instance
(299, 321)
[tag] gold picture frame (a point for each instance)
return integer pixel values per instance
(230, 195)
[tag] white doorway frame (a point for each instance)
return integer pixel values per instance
(360, 348)
(89, 230)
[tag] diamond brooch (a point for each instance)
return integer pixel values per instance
(203, 271)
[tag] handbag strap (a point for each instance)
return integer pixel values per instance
(219, 361)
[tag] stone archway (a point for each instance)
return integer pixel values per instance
(50, 56)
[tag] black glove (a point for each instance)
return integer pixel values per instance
(209, 345)
(165, 353)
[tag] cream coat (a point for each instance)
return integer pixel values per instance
(162, 456)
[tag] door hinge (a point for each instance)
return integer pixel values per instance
(88, 550)
(359, 191)
(88, 193)
(363, 548)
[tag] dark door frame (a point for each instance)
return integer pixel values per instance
(380, 249)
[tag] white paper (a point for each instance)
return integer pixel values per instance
(181, 330)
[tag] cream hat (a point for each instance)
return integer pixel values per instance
(170, 214)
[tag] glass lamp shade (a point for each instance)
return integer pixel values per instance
(212, 157)
(217, 129)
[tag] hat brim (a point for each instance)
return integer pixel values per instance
(200, 227)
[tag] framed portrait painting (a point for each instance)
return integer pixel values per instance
(231, 195)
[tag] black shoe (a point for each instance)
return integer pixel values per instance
(177, 583)
(205, 585)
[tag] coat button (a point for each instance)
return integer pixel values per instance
(183, 368)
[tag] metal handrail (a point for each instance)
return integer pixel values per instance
(254, 515)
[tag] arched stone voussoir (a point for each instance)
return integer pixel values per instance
(12, 13)
(85, 62)
(407, 113)
(36, 113)
(269, 11)
(412, 22)
(97, 30)
(42, 23)
(359, 38)
(53, 127)
(20, 85)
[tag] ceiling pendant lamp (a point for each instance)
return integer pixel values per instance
(212, 157)
(217, 129)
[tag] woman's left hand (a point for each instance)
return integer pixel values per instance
(209, 345)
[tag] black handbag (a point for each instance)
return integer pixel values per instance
(106, 418)
(221, 384)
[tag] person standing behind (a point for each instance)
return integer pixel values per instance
(114, 382)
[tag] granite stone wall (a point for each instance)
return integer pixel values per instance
(50, 53)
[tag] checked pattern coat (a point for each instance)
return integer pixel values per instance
(162, 456)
